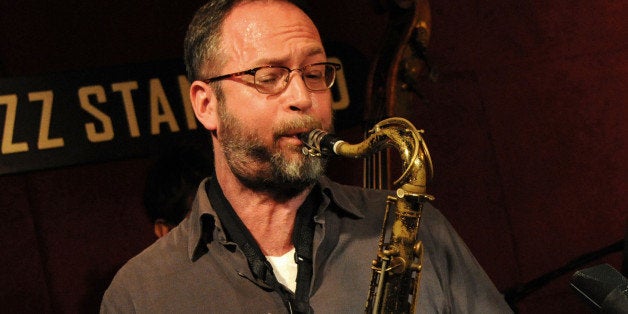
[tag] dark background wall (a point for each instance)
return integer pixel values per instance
(526, 126)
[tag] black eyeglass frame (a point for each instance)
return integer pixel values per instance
(252, 72)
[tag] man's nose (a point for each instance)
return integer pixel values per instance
(297, 92)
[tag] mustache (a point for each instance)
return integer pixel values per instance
(292, 127)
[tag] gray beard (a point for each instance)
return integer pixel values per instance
(267, 169)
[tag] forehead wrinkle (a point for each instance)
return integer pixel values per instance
(313, 51)
(270, 41)
(247, 36)
(292, 45)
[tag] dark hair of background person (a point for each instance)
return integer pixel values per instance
(174, 177)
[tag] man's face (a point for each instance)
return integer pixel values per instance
(258, 132)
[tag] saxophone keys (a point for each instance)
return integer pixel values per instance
(418, 254)
(418, 249)
(397, 265)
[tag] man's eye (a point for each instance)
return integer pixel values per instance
(267, 79)
(314, 75)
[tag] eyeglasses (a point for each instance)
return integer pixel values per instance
(273, 79)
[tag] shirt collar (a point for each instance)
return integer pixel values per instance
(204, 226)
(338, 194)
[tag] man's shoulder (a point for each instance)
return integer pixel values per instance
(370, 198)
(164, 255)
(354, 191)
(155, 269)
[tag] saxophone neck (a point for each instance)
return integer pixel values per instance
(398, 133)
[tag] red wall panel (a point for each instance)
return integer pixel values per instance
(23, 286)
(526, 125)
(89, 219)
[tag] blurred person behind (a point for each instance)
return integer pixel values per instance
(173, 179)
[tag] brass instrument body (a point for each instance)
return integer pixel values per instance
(396, 269)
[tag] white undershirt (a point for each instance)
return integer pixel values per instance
(285, 269)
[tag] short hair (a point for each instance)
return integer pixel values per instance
(203, 38)
(174, 178)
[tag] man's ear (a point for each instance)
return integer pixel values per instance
(205, 104)
(161, 228)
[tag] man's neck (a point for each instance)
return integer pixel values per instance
(269, 220)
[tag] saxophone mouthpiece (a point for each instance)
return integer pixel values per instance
(304, 137)
(319, 143)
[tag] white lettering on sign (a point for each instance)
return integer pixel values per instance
(93, 134)
(341, 85)
(44, 141)
(190, 117)
(8, 146)
(160, 110)
(125, 89)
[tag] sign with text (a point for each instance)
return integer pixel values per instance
(88, 116)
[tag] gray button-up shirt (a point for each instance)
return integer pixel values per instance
(194, 269)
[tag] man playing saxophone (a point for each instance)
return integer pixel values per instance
(269, 233)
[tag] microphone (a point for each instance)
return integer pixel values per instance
(603, 287)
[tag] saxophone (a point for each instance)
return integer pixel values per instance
(397, 268)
